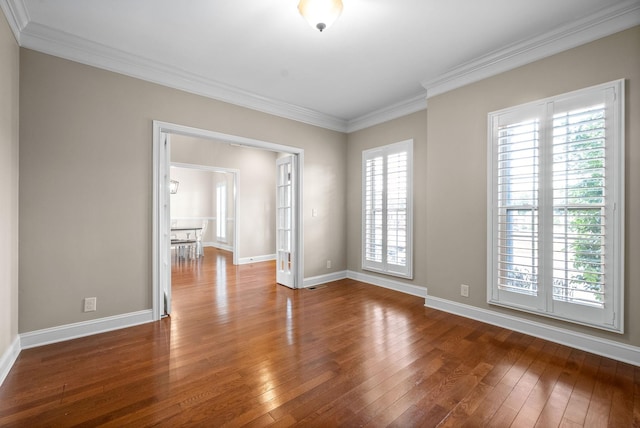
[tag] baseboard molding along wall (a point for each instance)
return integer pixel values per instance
(414, 290)
(218, 245)
(607, 348)
(323, 279)
(256, 259)
(8, 358)
(84, 328)
(603, 347)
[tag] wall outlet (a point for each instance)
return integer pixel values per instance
(464, 290)
(328, 264)
(90, 304)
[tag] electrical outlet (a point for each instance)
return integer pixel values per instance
(464, 290)
(90, 304)
(328, 264)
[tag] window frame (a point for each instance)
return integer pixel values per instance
(610, 316)
(384, 266)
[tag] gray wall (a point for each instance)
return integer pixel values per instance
(9, 84)
(450, 164)
(86, 185)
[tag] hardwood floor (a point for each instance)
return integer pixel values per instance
(240, 350)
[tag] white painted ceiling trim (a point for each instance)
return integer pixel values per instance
(17, 16)
(43, 39)
(393, 111)
(602, 24)
(57, 43)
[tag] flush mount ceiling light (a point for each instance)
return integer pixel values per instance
(320, 14)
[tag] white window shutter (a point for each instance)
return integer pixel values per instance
(387, 200)
(556, 186)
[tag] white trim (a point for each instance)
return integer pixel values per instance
(17, 16)
(414, 290)
(64, 45)
(44, 39)
(84, 328)
(604, 347)
(193, 218)
(604, 23)
(323, 279)
(8, 358)
(219, 246)
(158, 167)
(385, 114)
(204, 168)
(256, 259)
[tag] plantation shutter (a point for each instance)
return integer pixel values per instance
(387, 208)
(556, 218)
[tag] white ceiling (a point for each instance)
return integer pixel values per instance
(380, 59)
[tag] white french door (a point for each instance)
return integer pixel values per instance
(286, 227)
(165, 226)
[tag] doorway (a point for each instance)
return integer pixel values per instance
(161, 256)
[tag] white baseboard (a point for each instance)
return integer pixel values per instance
(323, 279)
(414, 290)
(256, 259)
(603, 347)
(218, 245)
(85, 328)
(8, 358)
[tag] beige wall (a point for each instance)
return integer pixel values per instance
(451, 170)
(9, 84)
(85, 171)
(413, 126)
(86, 182)
(456, 185)
(257, 184)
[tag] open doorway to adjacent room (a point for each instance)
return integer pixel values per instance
(199, 154)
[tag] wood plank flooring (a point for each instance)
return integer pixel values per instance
(239, 350)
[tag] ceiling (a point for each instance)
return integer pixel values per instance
(381, 59)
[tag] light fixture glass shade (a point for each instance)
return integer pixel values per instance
(173, 187)
(320, 14)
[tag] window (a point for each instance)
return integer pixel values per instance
(221, 211)
(556, 213)
(387, 209)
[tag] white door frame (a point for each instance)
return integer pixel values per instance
(161, 164)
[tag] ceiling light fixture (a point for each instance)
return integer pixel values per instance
(320, 13)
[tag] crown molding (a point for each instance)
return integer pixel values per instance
(604, 23)
(17, 16)
(385, 114)
(47, 40)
